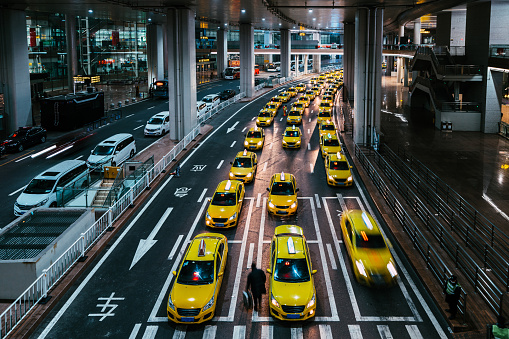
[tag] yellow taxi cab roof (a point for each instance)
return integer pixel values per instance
(244, 153)
(228, 186)
(288, 229)
(338, 156)
(210, 241)
(363, 222)
(287, 177)
(326, 122)
(292, 128)
(290, 246)
(330, 136)
(253, 129)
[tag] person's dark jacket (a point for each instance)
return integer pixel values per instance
(256, 280)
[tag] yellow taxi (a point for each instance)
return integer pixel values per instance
(326, 127)
(244, 167)
(303, 99)
(298, 106)
(301, 87)
(225, 205)
(276, 100)
(271, 107)
(193, 297)
(325, 106)
(324, 116)
(255, 138)
(330, 91)
(291, 284)
(292, 137)
(322, 84)
(310, 95)
(327, 98)
(265, 118)
(282, 195)
(314, 80)
(284, 96)
(294, 117)
(322, 76)
(338, 170)
(317, 90)
(329, 143)
(292, 91)
(372, 262)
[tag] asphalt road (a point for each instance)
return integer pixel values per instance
(122, 298)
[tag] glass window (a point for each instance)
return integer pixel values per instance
(291, 270)
(362, 240)
(331, 142)
(196, 272)
(339, 165)
(282, 188)
(265, 114)
(39, 186)
(223, 199)
(103, 150)
(292, 134)
(155, 121)
(254, 134)
(243, 163)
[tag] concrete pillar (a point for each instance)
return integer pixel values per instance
(417, 31)
(247, 59)
(368, 75)
(457, 36)
(305, 61)
(72, 55)
(349, 61)
(155, 53)
(14, 73)
(222, 51)
(267, 40)
(390, 66)
(317, 63)
(181, 72)
(165, 49)
(443, 35)
(399, 71)
(406, 65)
(401, 33)
(285, 52)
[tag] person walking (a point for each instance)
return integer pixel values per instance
(452, 292)
(256, 282)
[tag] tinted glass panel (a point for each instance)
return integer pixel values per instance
(291, 270)
(243, 162)
(223, 199)
(254, 134)
(155, 121)
(103, 150)
(339, 165)
(369, 241)
(196, 272)
(331, 142)
(39, 186)
(282, 188)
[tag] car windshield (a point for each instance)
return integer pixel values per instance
(155, 121)
(310, 92)
(18, 134)
(291, 133)
(103, 150)
(331, 142)
(223, 199)
(328, 127)
(196, 272)
(294, 113)
(324, 104)
(243, 162)
(39, 186)
(362, 240)
(271, 106)
(282, 188)
(254, 134)
(207, 99)
(265, 114)
(339, 165)
(299, 105)
(324, 114)
(291, 270)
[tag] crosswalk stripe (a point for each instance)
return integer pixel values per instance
(355, 331)
(331, 257)
(297, 333)
(210, 332)
(250, 255)
(384, 331)
(180, 332)
(325, 332)
(267, 332)
(150, 332)
(239, 332)
(135, 331)
(414, 332)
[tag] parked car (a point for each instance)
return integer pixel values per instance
(23, 138)
(112, 151)
(227, 94)
(158, 124)
(212, 100)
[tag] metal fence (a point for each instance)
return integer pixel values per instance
(207, 115)
(113, 115)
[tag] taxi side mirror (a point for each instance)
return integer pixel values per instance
(231, 163)
(269, 271)
(351, 166)
(314, 271)
(220, 274)
(296, 190)
(208, 199)
(268, 189)
(174, 273)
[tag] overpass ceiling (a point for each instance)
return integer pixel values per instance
(263, 14)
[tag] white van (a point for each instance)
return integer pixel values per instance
(45, 190)
(158, 124)
(112, 151)
(212, 100)
(201, 108)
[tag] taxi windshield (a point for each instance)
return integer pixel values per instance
(324, 104)
(331, 142)
(254, 134)
(363, 240)
(293, 134)
(310, 92)
(39, 186)
(328, 127)
(299, 105)
(103, 150)
(294, 113)
(291, 270)
(271, 106)
(196, 272)
(223, 199)
(324, 114)
(282, 188)
(264, 114)
(339, 165)
(242, 162)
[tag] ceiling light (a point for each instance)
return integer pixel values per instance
(279, 24)
(263, 19)
(225, 24)
(310, 10)
(243, 11)
(149, 19)
(90, 11)
(314, 19)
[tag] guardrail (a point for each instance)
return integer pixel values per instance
(434, 262)
(115, 114)
(476, 276)
(207, 115)
(38, 290)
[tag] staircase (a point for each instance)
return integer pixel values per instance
(103, 192)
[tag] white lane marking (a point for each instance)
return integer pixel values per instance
(130, 115)
(253, 118)
(258, 200)
(60, 151)
(309, 146)
(150, 332)
(355, 331)
(228, 130)
(297, 333)
(414, 332)
(175, 247)
(16, 191)
(235, 241)
(210, 332)
(151, 107)
(78, 157)
(308, 241)
(331, 257)
(220, 164)
(267, 332)
(281, 119)
(202, 195)
(325, 331)
(180, 332)
(244, 129)
(134, 129)
(311, 167)
(271, 144)
(385, 332)
(264, 167)
(135, 331)
(167, 102)
(233, 143)
(28, 156)
(275, 130)
(318, 201)
(330, 290)
(309, 131)
(260, 236)
(250, 255)
(43, 151)
(309, 121)
(239, 332)
(311, 111)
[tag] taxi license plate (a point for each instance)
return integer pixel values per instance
(252, 146)
(187, 319)
(293, 316)
(219, 224)
(282, 212)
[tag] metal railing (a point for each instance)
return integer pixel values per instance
(115, 114)
(476, 276)
(207, 115)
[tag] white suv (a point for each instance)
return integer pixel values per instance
(212, 100)
(159, 124)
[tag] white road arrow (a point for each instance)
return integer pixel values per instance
(232, 128)
(145, 245)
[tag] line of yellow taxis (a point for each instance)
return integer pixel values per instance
(292, 295)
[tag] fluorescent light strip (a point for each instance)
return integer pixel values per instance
(62, 150)
(43, 151)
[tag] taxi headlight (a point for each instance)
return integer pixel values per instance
(298, 142)
(392, 269)
(360, 267)
(271, 205)
(293, 205)
(232, 175)
(170, 303)
(273, 300)
(246, 143)
(259, 143)
(311, 303)
(331, 177)
(284, 142)
(349, 178)
(209, 304)
(233, 216)
(249, 175)
(207, 215)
